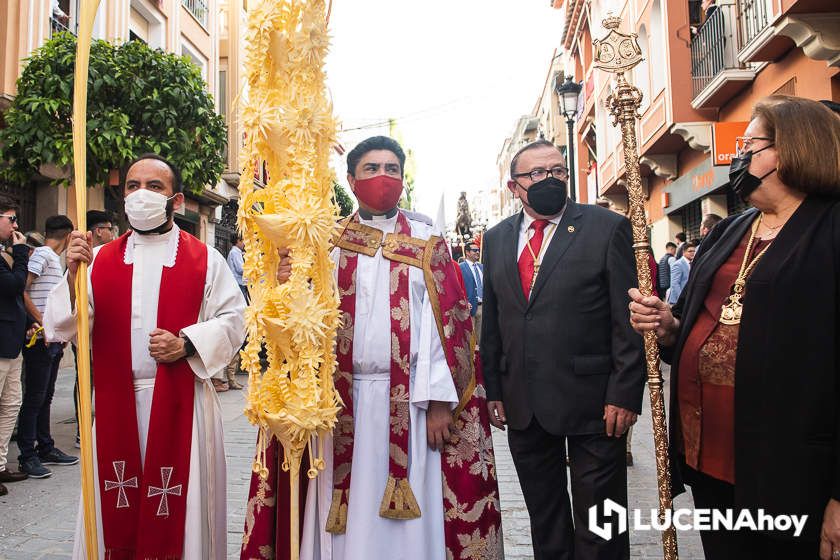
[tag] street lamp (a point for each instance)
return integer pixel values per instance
(568, 93)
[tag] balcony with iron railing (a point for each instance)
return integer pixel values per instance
(757, 33)
(754, 18)
(57, 26)
(198, 9)
(716, 72)
(769, 30)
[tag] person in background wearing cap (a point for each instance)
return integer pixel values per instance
(101, 227)
(101, 230)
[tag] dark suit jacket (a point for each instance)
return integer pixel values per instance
(13, 318)
(567, 352)
(470, 285)
(787, 369)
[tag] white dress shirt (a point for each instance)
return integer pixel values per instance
(524, 234)
(477, 275)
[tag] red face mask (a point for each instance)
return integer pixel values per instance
(380, 193)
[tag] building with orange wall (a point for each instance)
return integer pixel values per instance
(209, 32)
(702, 74)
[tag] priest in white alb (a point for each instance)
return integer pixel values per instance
(166, 314)
(410, 473)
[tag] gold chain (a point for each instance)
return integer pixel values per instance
(730, 313)
(538, 258)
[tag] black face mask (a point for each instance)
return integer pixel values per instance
(548, 197)
(741, 181)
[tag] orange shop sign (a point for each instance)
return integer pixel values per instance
(723, 140)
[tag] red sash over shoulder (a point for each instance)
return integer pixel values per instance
(472, 518)
(143, 506)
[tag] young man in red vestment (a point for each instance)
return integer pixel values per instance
(166, 314)
(410, 464)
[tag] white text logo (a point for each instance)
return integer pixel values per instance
(686, 519)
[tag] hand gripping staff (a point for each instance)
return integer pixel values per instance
(289, 132)
(87, 16)
(617, 53)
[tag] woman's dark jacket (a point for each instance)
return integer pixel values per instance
(787, 369)
(13, 317)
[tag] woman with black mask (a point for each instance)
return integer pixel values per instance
(754, 343)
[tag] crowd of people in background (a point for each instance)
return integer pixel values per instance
(29, 363)
(28, 272)
(673, 267)
(29, 269)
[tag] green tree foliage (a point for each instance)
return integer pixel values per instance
(345, 203)
(139, 100)
(407, 199)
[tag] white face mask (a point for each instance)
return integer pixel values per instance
(146, 210)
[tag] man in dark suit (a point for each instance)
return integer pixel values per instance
(13, 324)
(561, 367)
(472, 272)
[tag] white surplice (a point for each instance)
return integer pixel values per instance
(368, 535)
(217, 335)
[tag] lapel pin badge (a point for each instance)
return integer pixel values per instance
(571, 229)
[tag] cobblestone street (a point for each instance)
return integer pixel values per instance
(39, 516)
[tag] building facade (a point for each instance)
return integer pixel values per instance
(543, 122)
(703, 72)
(208, 32)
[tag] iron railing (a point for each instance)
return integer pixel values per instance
(226, 227)
(60, 17)
(57, 27)
(754, 18)
(714, 47)
(198, 8)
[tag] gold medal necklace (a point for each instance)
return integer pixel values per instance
(537, 261)
(730, 313)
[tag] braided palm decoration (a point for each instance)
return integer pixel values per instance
(289, 125)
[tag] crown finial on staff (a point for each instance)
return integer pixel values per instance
(617, 52)
(611, 21)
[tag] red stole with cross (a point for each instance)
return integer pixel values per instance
(143, 506)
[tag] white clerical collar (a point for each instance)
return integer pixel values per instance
(170, 237)
(382, 223)
(365, 215)
(380, 218)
